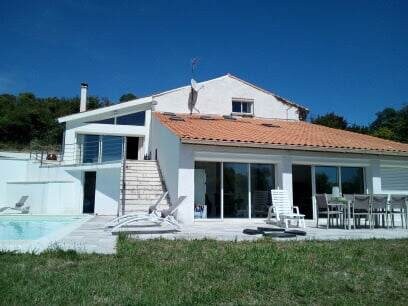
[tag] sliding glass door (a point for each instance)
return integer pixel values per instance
(207, 190)
(232, 190)
(262, 182)
(236, 190)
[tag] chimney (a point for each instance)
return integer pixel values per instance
(84, 97)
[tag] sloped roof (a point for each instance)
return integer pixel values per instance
(275, 133)
(149, 99)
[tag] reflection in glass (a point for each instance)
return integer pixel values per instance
(90, 148)
(132, 119)
(105, 121)
(207, 189)
(326, 178)
(236, 190)
(352, 180)
(111, 148)
(262, 182)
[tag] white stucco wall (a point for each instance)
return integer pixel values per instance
(283, 161)
(168, 155)
(10, 170)
(45, 197)
(57, 189)
(50, 190)
(107, 191)
(216, 95)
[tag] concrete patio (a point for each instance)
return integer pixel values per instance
(232, 231)
(93, 237)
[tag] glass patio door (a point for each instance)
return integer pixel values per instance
(236, 187)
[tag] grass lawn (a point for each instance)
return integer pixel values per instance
(210, 272)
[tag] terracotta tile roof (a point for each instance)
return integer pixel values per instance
(271, 133)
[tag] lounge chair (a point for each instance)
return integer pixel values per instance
(283, 210)
(20, 207)
(156, 217)
(123, 218)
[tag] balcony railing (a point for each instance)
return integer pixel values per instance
(103, 149)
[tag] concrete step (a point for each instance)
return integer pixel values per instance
(143, 185)
(143, 192)
(135, 183)
(143, 202)
(141, 167)
(142, 174)
(132, 161)
(149, 188)
(153, 197)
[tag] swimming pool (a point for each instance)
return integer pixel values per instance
(31, 228)
(35, 232)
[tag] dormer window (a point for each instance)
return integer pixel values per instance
(242, 106)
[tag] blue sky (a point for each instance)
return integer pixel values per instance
(350, 57)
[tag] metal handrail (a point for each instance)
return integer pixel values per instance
(123, 200)
(75, 153)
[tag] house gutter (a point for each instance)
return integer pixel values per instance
(289, 147)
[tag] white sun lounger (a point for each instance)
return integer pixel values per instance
(119, 220)
(156, 217)
(283, 210)
(20, 207)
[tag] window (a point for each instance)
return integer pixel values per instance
(207, 190)
(262, 182)
(132, 119)
(105, 121)
(236, 190)
(111, 148)
(326, 178)
(242, 184)
(96, 148)
(242, 107)
(137, 119)
(90, 148)
(351, 179)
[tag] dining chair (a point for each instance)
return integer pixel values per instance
(361, 208)
(398, 206)
(323, 207)
(379, 208)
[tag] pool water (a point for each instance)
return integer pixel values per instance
(31, 228)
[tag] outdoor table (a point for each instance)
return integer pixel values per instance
(345, 205)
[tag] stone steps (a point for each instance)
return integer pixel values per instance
(144, 186)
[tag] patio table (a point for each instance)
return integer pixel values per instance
(345, 205)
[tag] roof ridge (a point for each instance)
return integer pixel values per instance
(268, 92)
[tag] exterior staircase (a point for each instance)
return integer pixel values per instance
(143, 185)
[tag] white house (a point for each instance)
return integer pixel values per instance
(223, 144)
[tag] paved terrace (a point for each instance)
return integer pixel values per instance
(93, 237)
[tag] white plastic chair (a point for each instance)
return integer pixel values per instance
(283, 210)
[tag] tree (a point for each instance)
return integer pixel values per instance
(26, 119)
(391, 124)
(127, 97)
(331, 120)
